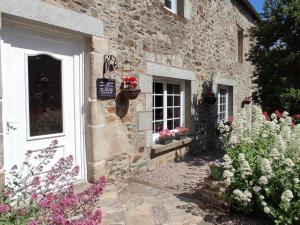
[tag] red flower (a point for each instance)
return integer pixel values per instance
(278, 113)
(266, 114)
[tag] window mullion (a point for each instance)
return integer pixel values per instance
(165, 106)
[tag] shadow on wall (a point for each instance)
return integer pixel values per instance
(204, 122)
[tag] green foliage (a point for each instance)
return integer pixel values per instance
(290, 100)
(275, 51)
(263, 166)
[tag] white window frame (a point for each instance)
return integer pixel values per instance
(165, 103)
(173, 8)
(226, 103)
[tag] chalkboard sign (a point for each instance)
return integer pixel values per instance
(106, 88)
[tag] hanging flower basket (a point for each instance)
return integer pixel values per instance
(129, 88)
(130, 93)
(210, 98)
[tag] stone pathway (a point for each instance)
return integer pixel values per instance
(131, 203)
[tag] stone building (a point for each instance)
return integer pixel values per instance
(52, 52)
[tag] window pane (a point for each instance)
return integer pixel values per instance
(170, 101)
(177, 89)
(159, 101)
(170, 125)
(158, 88)
(176, 123)
(176, 100)
(159, 114)
(45, 95)
(170, 89)
(168, 4)
(176, 112)
(170, 113)
(159, 126)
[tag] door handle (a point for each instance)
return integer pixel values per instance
(11, 126)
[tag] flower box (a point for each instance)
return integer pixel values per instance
(130, 93)
(165, 140)
(181, 135)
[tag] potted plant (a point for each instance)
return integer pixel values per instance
(181, 133)
(165, 137)
(210, 98)
(129, 88)
(216, 169)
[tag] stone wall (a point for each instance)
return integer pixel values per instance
(143, 31)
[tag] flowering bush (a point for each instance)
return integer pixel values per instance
(34, 197)
(165, 134)
(130, 81)
(263, 165)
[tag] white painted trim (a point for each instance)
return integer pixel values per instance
(42, 12)
(155, 69)
(79, 57)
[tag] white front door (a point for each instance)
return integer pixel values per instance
(41, 95)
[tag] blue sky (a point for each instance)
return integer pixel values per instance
(258, 4)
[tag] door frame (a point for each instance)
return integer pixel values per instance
(56, 34)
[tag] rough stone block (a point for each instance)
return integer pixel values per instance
(145, 121)
(100, 45)
(95, 115)
(145, 83)
(177, 61)
(150, 56)
(166, 59)
(149, 103)
(149, 138)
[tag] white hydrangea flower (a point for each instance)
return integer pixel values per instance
(287, 196)
(256, 189)
(244, 197)
(263, 180)
(274, 154)
(263, 203)
(265, 166)
(267, 210)
(273, 116)
(289, 164)
(245, 169)
(296, 180)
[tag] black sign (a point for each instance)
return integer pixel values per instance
(106, 88)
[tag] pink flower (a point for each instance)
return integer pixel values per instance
(33, 222)
(4, 208)
(15, 167)
(36, 181)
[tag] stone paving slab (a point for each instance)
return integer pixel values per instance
(131, 203)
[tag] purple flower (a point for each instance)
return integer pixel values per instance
(4, 208)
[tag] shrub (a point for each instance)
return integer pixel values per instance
(263, 165)
(34, 197)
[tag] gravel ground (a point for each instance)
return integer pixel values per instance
(185, 179)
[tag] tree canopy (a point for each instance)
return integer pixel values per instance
(275, 53)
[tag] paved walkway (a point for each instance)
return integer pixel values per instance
(131, 203)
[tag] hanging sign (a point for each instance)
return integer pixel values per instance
(106, 88)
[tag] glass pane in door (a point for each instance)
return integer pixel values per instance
(45, 95)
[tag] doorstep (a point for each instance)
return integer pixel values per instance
(176, 144)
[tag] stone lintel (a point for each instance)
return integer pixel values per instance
(37, 10)
(169, 71)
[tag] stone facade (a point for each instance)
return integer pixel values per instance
(199, 48)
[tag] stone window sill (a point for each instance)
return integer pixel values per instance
(157, 150)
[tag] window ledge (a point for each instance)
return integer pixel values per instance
(162, 149)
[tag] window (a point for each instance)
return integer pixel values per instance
(225, 106)
(168, 105)
(240, 45)
(171, 5)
